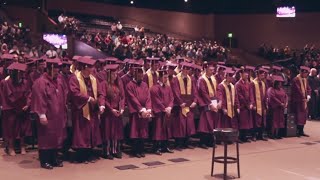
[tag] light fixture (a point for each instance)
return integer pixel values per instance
(131, 2)
(186, 1)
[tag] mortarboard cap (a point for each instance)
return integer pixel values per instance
(54, 62)
(278, 68)
(87, 61)
(229, 71)
(18, 66)
(304, 68)
(277, 78)
(186, 65)
(111, 67)
(162, 72)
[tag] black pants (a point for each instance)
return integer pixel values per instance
(49, 156)
(138, 146)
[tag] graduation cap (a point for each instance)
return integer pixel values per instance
(7, 56)
(186, 65)
(86, 61)
(138, 69)
(66, 63)
(278, 68)
(277, 78)
(18, 66)
(111, 60)
(304, 68)
(153, 60)
(162, 72)
(111, 67)
(197, 67)
(262, 70)
(221, 67)
(54, 63)
(249, 68)
(229, 71)
(135, 63)
(265, 67)
(180, 60)
(76, 57)
(170, 65)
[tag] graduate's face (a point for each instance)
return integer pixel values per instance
(244, 75)
(113, 75)
(185, 71)
(55, 72)
(229, 78)
(164, 79)
(171, 71)
(154, 67)
(261, 76)
(304, 74)
(139, 75)
(209, 71)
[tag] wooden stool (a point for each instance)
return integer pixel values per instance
(226, 136)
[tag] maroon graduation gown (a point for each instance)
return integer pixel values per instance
(112, 126)
(219, 78)
(33, 76)
(208, 118)
(275, 98)
(297, 103)
(224, 120)
(258, 120)
(161, 98)
(15, 121)
(243, 96)
(154, 78)
(86, 134)
(49, 98)
(182, 126)
(138, 97)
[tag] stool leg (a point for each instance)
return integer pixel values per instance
(212, 162)
(225, 160)
(238, 160)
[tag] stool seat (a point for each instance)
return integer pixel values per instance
(226, 136)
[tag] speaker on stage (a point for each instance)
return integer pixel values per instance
(291, 127)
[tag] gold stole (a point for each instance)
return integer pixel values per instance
(168, 82)
(230, 102)
(183, 91)
(72, 68)
(83, 90)
(177, 70)
(210, 89)
(150, 77)
(303, 87)
(258, 96)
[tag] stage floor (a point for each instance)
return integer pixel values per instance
(290, 158)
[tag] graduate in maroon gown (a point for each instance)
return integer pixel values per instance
(275, 71)
(185, 100)
(130, 74)
(228, 102)
(111, 102)
(220, 73)
(139, 104)
(278, 102)
(208, 102)
(15, 104)
(84, 99)
(49, 104)
(300, 95)
(39, 64)
(243, 95)
(258, 98)
(162, 103)
(151, 75)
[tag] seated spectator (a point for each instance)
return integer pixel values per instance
(51, 53)
(33, 53)
(119, 26)
(14, 50)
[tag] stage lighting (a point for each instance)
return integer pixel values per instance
(185, 0)
(131, 2)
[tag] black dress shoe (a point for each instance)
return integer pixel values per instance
(167, 150)
(118, 155)
(46, 166)
(203, 146)
(188, 146)
(305, 135)
(57, 164)
(110, 157)
(158, 152)
(138, 155)
(142, 154)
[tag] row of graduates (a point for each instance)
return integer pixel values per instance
(97, 100)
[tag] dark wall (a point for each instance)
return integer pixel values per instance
(252, 30)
